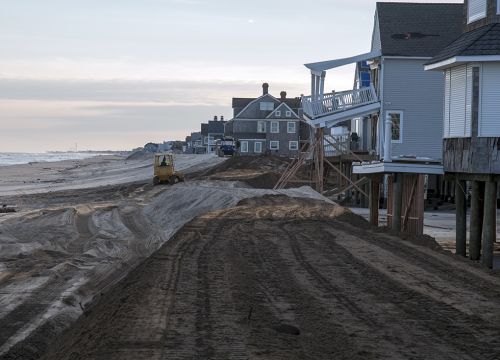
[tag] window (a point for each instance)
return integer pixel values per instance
(289, 113)
(257, 147)
(244, 146)
(498, 6)
(267, 106)
(278, 113)
(476, 10)
(365, 79)
(261, 126)
(397, 125)
(293, 145)
(274, 145)
(291, 127)
(275, 127)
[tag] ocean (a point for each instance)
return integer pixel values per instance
(25, 158)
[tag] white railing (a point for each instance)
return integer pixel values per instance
(342, 144)
(335, 102)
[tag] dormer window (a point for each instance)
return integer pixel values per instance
(476, 10)
(267, 106)
(278, 113)
(289, 113)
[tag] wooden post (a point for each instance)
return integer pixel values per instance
(476, 220)
(489, 223)
(461, 218)
(397, 198)
(374, 201)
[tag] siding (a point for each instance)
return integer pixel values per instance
(447, 90)
(420, 95)
(489, 118)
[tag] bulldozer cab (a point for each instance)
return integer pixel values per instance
(164, 171)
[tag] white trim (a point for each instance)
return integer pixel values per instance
(318, 67)
(277, 129)
(251, 140)
(241, 146)
(253, 101)
(279, 109)
(408, 57)
(255, 147)
(397, 167)
(271, 146)
(278, 113)
(461, 59)
(401, 116)
(290, 145)
(288, 127)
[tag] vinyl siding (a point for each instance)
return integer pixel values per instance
(420, 95)
(489, 118)
(447, 90)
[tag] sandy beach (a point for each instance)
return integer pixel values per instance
(97, 263)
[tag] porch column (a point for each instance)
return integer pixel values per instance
(322, 85)
(313, 87)
(388, 140)
(489, 223)
(476, 220)
(397, 198)
(461, 218)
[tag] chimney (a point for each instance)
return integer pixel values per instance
(265, 89)
(215, 118)
(283, 95)
(222, 118)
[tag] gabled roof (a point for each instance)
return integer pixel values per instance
(251, 112)
(418, 29)
(294, 103)
(282, 107)
(484, 41)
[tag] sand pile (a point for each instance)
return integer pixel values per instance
(261, 172)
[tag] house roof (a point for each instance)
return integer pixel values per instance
(294, 103)
(282, 107)
(418, 29)
(330, 64)
(479, 42)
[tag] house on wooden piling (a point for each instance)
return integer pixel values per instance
(400, 110)
(471, 67)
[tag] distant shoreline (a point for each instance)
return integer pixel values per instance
(12, 158)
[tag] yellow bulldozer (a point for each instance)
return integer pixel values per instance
(164, 171)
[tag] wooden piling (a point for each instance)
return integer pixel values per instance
(476, 220)
(397, 197)
(489, 223)
(374, 201)
(461, 218)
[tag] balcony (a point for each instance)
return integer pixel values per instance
(332, 108)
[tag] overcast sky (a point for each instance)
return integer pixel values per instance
(115, 74)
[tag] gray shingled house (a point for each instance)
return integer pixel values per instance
(267, 125)
(212, 131)
(405, 36)
(471, 91)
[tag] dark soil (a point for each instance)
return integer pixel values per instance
(282, 278)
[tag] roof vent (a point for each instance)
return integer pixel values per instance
(411, 35)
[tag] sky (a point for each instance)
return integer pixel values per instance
(116, 74)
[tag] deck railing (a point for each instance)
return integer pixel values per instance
(335, 102)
